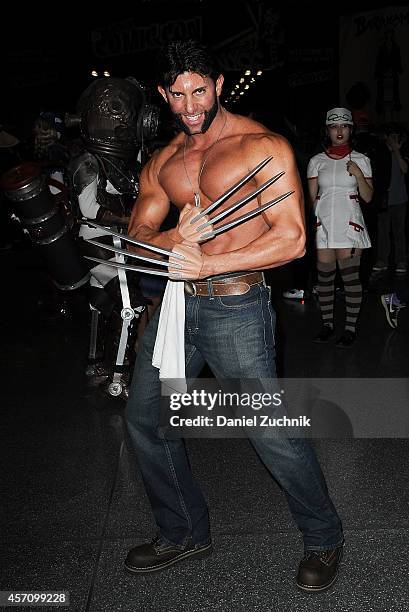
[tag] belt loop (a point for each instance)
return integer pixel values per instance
(210, 289)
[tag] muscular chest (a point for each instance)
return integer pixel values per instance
(208, 175)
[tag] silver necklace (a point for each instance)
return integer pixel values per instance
(196, 194)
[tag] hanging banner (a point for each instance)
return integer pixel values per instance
(374, 50)
(259, 46)
(129, 37)
(308, 66)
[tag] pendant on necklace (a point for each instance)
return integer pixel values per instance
(197, 199)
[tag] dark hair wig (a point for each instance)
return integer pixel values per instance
(185, 56)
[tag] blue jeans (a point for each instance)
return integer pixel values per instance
(235, 336)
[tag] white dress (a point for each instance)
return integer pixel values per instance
(340, 223)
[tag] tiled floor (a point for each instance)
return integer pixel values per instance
(73, 501)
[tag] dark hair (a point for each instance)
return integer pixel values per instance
(326, 140)
(185, 56)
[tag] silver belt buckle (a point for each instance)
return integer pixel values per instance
(190, 288)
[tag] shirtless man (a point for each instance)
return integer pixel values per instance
(229, 319)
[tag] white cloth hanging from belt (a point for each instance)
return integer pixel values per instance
(169, 349)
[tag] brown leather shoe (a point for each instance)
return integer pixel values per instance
(319, 569)
(157, 555)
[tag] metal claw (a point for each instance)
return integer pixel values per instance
(246, 216)
(120, 266)
(159, 262)
(241, 202)
(232, 189)
(144, 245)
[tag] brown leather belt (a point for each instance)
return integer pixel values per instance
(234, 285)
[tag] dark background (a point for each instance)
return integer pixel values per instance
(49, 55)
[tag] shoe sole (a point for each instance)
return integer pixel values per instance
(329, 339)
(311, 589)
(201, 553)
(345, 346)
(388, 314)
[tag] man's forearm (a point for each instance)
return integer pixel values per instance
(166, 239)
(263, 253)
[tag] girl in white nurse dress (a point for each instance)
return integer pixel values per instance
(338, 179)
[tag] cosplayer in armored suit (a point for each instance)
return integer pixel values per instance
(114, 120)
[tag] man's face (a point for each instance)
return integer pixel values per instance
(194, 101)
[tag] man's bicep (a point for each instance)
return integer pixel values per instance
(152, 204)
(150, 210)
(283, 161)
(289, 213)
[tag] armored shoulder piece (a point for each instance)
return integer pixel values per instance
(83, 170)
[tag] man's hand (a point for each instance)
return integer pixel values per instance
(191, 266)
(187, 230)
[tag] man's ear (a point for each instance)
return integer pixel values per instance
(162, 93)
(219, 84)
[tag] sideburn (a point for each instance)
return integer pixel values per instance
(208, 120)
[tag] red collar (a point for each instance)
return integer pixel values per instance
(339, 150)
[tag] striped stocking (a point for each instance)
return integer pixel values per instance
(326, 277)
(349, 269)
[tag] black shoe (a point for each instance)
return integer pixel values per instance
(327, 333)
(156, 556)
(346, 340)
(319, 569)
